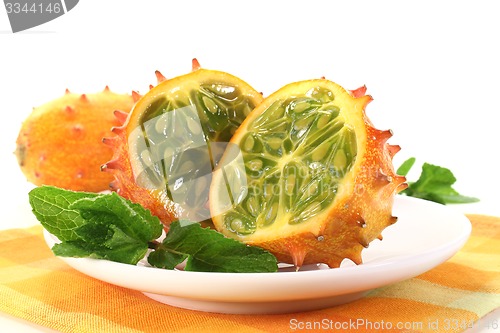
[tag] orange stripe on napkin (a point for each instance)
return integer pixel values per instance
(453, 275)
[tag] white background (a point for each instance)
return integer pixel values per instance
(432, 68)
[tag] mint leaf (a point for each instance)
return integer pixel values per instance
(406, 166)
(163, 258)
(435, 184)
(113, 244)
(107, 226)
(113, 209)
(51, 207)
(104, 226)
(207, 250)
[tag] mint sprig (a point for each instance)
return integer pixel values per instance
(51, 207)
(102, 226)
(107, 226)
(434, 184)
(207, 250)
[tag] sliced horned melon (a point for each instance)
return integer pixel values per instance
(173, 138)
(315, 181)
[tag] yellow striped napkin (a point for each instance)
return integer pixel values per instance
(40, 288)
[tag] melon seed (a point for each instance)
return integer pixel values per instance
(340, 160)
(161, 124)
(253, 206)
(323, 120)
(275, 111)
(301, 106)
(237, 225)
(194, 126)
(248, 143)
(274, 143)
(311, 210)
(146, 158)
(210, 105)
(302, 124)
(312, 189)
(272, 212)
(320, 152)
(290, 184)
(255, 164)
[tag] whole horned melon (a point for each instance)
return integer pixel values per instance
(173, 138)
(315, 183)
(60, 144)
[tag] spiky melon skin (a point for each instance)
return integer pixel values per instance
(359, 213)
(120, 168)
(60, 142)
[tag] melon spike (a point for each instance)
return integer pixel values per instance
(136, 96)
(111, 141)
(382, 178)
(364, 243)
(393, 149)
(361, 91)
(401, 181)
(195, 64)
(297, 254)
(382, 136)
(401, 187)
(356, 258)
(159, 76)
(364, 100)
(113, 164)
(120, 115)
(117, 129)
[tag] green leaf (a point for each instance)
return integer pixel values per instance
(163, 258)
(435, 184)
(104, 226)
(113, 209)
(406, 166)
(207, 250)
(113, 245)
(51, 207)
(107, 226)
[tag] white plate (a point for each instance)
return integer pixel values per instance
(425, 235)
